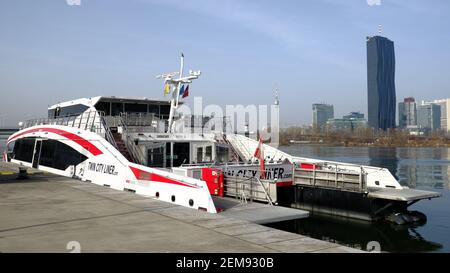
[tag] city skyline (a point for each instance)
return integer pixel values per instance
(245, 50)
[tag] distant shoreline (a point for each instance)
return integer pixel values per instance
(363, 137)
(378, 145)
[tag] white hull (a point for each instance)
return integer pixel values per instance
(106, 166)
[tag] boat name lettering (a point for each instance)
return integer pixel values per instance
(102, 168)
(271, 173)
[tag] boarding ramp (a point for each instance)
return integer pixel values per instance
(331, 178)
(250, 189)
(246, 147)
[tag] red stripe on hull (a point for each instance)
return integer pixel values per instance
(144, 175)
(75, 138)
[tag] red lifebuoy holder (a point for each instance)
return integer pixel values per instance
(214, 180)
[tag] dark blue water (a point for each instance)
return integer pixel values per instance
(420, 168)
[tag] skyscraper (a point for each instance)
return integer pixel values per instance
(321, 114)
(381, 98)
(407, 113)
(429, 116)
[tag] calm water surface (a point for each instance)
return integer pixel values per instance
(420, 168)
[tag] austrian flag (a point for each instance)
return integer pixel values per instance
(259, 153)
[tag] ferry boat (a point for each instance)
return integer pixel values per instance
(143, 146)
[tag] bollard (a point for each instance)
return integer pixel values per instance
(22, 173)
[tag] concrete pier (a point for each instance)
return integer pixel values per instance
(257, 212)
(44, 212)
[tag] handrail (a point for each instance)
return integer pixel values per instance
(84, 119)
(265, 191)
(243, 184)
(135, 152)
(108, 134)
(332, 178)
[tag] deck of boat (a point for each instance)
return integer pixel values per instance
(405, 194)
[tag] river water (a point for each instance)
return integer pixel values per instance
(420, 168)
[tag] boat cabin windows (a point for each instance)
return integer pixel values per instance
(116, 107)
(180, 154)
(46, 152)
(57, 155)
(67, 111)
(164, 111)
(208, 153)
(160, 155)
(155, 157)
(199, 154)
(222, 153)
(204, 152)
(23, 149)
(104, 107)
(153, 109)
(136, 108)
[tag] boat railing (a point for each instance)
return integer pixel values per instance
(315, 176)
(136, 153)
(90, 120)
(137, 122)
(139, 119)
(108, 134)
(250, 188)
(202, 124)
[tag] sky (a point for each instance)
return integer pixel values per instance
(311, 51)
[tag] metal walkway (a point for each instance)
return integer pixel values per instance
(257, 212)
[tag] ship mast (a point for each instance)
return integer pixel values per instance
(175, 87)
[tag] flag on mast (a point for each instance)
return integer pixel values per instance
(259, 153)
(186, 92)
(166, 89)
(181, 90)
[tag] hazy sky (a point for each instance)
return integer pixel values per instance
(312, 51)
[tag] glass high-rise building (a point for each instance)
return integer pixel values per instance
(429, 116)
(407, 113)
(445, 112)
(321, 114)
(381, 98)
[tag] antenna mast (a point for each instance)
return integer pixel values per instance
(380, 29)
(175, 86)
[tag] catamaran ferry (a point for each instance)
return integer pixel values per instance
(143, 146)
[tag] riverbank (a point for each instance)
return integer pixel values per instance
(366, 138)
(408, 144)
